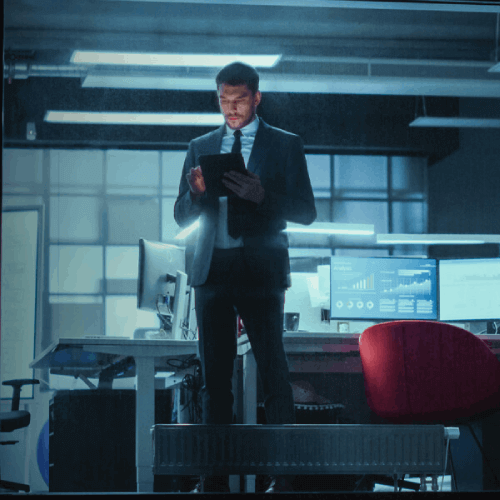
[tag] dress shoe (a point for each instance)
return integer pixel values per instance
(212, 484)
(279, 484)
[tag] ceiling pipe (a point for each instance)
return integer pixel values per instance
(22, 71)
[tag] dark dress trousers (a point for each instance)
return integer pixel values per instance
(250, 280)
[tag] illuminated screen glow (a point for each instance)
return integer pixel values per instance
(383, 288)
(469, 289)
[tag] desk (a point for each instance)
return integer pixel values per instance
(310, 352)
(93, 357)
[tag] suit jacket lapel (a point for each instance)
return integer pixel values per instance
(216, 141)
(259, 151)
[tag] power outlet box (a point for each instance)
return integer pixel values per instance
(343, 327)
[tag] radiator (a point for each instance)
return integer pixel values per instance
(300, 449)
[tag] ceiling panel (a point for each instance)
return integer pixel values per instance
(328, 47)
(54, 28)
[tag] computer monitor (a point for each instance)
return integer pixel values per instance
(469, 289)
(383, 288)
(162, 284)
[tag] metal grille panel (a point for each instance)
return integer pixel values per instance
(298, 449)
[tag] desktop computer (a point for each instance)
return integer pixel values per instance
(92, 440)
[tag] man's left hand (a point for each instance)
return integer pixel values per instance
(246, 186)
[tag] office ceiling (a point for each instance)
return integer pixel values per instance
(343, 47)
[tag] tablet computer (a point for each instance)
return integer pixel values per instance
(213, 168)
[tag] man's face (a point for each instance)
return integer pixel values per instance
(238, 104)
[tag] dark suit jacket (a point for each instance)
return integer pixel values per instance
(278, 158)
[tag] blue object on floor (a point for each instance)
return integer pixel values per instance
(42, 452)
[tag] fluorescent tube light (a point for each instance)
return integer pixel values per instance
(291, 83)
(148, 82)
(188, 230)
(122, 118)
(332, 228)
(176, 60)
(437, 239)
(297, 253)
(435, 121)
(316, 228)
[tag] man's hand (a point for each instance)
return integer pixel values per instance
(196, 182)
(247, 186)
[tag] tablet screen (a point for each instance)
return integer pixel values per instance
(213, 168)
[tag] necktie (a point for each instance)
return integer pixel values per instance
(237, 142)
(234, 221)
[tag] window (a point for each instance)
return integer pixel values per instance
(99, 203)
(389, 192)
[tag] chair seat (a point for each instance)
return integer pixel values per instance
(12, 420)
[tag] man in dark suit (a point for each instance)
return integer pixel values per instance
(240, 263)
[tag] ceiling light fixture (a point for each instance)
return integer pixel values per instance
(123, 118)
(294, 83)
(455, 122)
(329, 228)
(437, 239)
(308, 253)
(176, 60)
(450, 121)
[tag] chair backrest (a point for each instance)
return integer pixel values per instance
(422, 371)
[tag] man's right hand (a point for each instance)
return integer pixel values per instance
(196, 182)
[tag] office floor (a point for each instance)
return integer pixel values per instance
(444, 484)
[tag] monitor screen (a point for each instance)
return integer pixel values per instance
(383, 288)
(469, 289)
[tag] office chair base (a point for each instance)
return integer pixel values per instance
(397, 483)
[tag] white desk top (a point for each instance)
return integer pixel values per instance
(109, 350)
(93, 355)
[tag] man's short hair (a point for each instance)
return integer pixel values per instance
(238, 73)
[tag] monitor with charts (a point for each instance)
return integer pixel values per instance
(383, 288)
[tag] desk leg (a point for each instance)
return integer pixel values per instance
(234, 481)
(144, 420)
(249, 403)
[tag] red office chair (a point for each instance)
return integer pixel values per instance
(428, 372)
(13, 420)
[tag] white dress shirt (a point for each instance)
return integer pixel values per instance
(222, 238)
